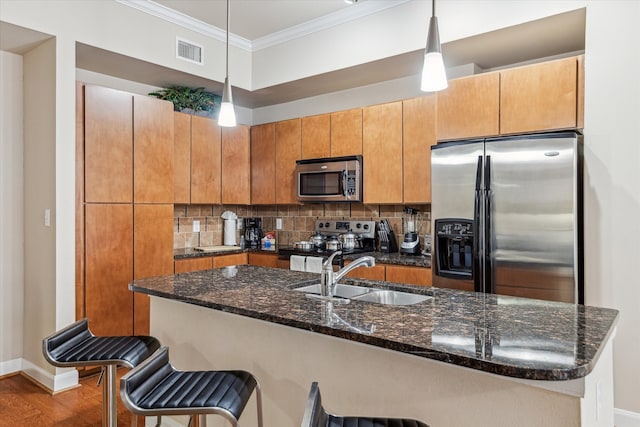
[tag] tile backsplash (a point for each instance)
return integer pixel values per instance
(298, 221)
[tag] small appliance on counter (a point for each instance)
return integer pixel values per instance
(230, 221)
(411, 243)
(387, 237)
(253, 232)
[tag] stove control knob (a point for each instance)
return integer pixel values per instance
(321, 225)
(358, 226)
(326, 224)
(366, 226)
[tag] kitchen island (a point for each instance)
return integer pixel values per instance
(458, 358)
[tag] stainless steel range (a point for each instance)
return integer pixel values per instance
(348, 236)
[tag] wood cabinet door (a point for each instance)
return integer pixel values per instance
(409, 275)
(109, 268)
(469, 107)
(205, 161)
(236, 166)
(263, 164)
(193, 264)
(346, 133)
(181, 158)
(418, 135)
(382, 153)
(377, 272)
(152, 150)
(152, 253)
(108, 145)
(263, 260)
(539, 97)
(287, 152)
(227, 260)
(316, 136)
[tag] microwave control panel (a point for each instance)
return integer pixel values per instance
(352, 183)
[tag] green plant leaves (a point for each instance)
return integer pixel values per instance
(188, 98)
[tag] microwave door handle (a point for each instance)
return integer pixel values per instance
(343, 178)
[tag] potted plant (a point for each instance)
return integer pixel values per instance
(191, 100)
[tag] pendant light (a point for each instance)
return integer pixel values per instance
(434, 77)
(227, 115)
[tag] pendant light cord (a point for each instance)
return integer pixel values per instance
(433, 8)
(227, 38)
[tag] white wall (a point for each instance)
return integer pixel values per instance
(11, 213)
(612, 181)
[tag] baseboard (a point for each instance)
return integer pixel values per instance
(54, 383)
(10, 367)
(624, 418)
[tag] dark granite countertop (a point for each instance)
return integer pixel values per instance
(192, 253)
(396, 258)
(508, 336)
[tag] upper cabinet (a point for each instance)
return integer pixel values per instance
(205, 161)
(315, 136)
(263, 164)
(382, 153)
(418, 135)
(346, 133)
(152, 150)
(539, 97)
(287, 152)
(469, 107)
(181, 158)
(236, 166)
(108, 145)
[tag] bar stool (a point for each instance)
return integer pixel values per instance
(155, 388)
(316, 416)
(76, 346)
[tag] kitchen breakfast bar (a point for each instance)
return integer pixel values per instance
(454, 359)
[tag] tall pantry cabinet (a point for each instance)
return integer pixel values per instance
(124, 204)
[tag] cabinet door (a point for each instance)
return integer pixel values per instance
(377, 272)
(316, 136)
(409, 275)
(469, 107)
(287, 152)
(236, 166)
(346, 133)
(263, 164)
(539, 97)
(227, 260)
(152, 150)
(382, 153)
(108, 145)
(263, 260)
(193, 264)
(109, 268)
(205, 161)
(182, 158)
(153, 254)
(419, 134)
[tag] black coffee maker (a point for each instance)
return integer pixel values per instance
(253, 232)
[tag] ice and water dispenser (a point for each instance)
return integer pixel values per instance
(454, 248)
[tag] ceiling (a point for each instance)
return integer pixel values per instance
(260, 19)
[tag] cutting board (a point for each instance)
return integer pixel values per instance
(218, 248)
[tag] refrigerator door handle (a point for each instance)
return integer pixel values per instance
(488, 243)
(477, 213)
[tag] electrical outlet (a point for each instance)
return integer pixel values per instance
(196, 226)
(47, 217)
(278, 223)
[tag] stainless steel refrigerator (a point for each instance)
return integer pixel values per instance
(507, 215)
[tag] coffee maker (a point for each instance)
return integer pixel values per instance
(253, 232)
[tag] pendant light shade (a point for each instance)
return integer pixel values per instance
(227, 115)
(434, 76)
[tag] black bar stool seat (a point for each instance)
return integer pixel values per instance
(76, 346)
(155, 388)
(316, 416)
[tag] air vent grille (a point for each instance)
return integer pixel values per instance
(189, 51)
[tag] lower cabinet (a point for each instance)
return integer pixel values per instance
(263, 260)
(232, 259)
(188, 265)
(394, 273)
(372, 273)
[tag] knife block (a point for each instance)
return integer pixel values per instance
(388, 242)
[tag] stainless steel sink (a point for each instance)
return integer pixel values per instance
(392, 297)
(342, 291)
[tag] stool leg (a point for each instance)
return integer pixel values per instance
(203, 420)
(109, 398)
(259, 403)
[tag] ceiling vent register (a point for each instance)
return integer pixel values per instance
(189, 51)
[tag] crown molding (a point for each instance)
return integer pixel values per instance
(188, 22)
(357, 11)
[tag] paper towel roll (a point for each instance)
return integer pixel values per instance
(229, 232)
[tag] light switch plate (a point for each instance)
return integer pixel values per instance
(196, 226)
(278, 223)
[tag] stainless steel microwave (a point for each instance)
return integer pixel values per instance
(336, 179)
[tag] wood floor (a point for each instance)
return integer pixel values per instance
(22, 403)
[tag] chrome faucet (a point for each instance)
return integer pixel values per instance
(329, 279)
